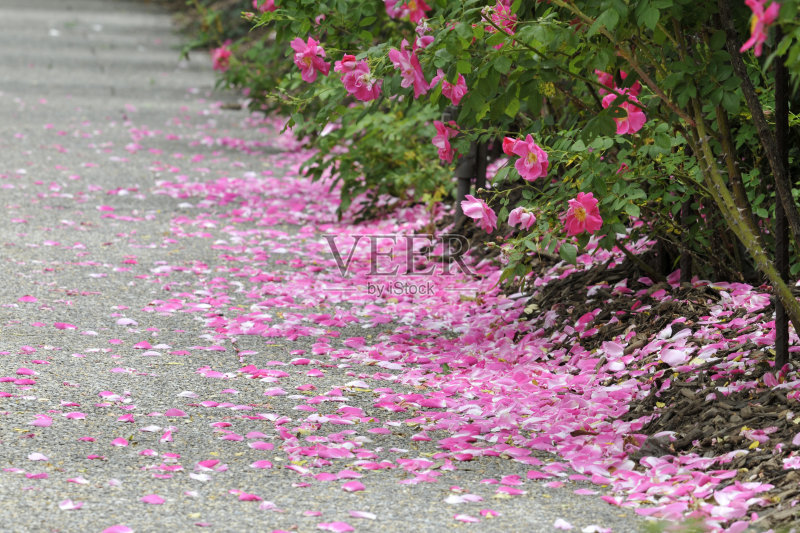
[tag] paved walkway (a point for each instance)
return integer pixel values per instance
(175, 350)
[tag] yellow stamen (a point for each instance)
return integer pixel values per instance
(580, 214)
(531, 158)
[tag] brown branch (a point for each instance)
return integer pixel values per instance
(734, 175)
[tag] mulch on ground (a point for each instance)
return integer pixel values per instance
(700, 411)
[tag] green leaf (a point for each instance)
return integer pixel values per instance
(600, 124)
(663, 141)
(502, 64)
(731, 102)
(508, 273)
(366, 21)
(463, 66)
(650, 17)
(569, 253)
(608, 19)
(618, 229)
(633, 210)
(464, 31)
(512, 108)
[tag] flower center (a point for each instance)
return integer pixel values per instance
(753, 22)
(412, 5)
(580, 214)
(531, 158)
(306, 61)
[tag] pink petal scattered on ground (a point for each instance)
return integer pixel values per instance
(363, 514)
(353, 486)
(120, 441)
(513, 491)
(69, 505)
(27, 299)
(466, 518)
(455, 499)
(336, 527)
(562, 524)
(119, 528)
(36, 456)
(174, 412)
(41, 421)
(152, 499)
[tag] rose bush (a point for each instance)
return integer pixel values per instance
(617, 118)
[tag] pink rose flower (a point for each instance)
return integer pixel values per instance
(357, 78)
(583, 215)
(522, 217)
(503, 17)
(635, 118)
(759, 23)
(308, 58)
(392, 9)
(264, 5)
(220, 58)
(416, 10)
(508, 145)
(608, 80)
(532, 162)
(480, 212)
(442, 139)
(454, 92)
(411, 71)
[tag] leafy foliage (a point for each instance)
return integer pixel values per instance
(537, 68)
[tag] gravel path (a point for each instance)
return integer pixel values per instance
(115, 385)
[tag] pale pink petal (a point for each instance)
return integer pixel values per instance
(119, 528)
(69, 505)
(336, 527)
(353, 486)
(41, 421)
(152, 499)
(562, 524)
